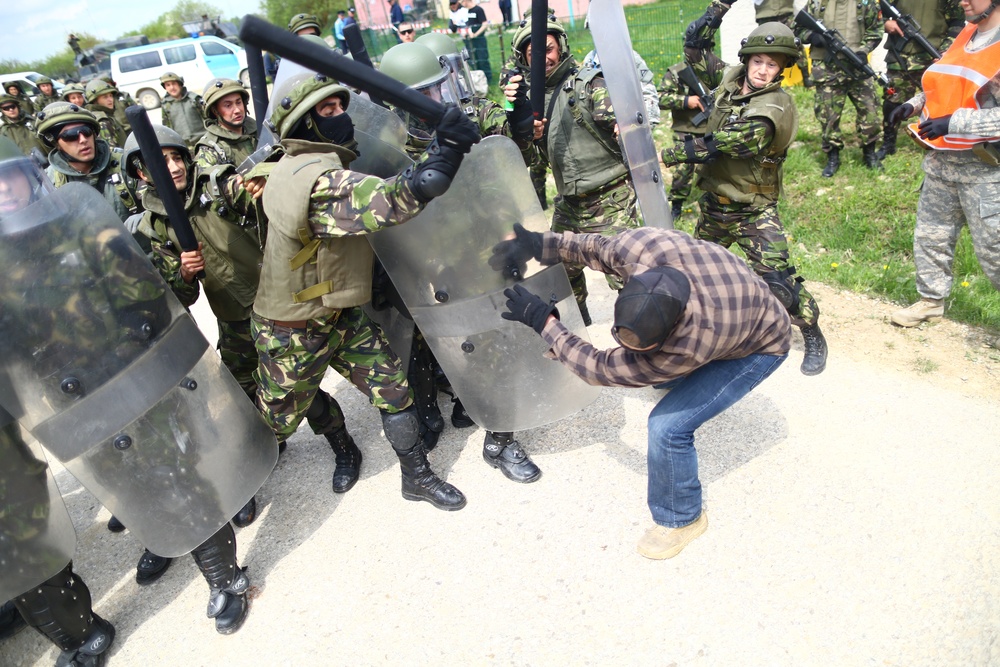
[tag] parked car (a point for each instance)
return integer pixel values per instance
(27, 80)
(137, 70)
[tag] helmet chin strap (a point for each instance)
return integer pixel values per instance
(986, 14)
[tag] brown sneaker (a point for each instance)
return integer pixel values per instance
(661, 542)
(924, 310)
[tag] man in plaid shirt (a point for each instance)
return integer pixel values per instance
(691, 315)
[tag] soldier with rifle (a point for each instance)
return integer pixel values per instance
(919, 32)
(842, 34)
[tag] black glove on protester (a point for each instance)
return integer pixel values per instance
(511, 256)
(526, 308)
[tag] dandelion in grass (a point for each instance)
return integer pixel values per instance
(965, 283)
(834, 265)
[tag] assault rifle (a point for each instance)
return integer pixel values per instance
(910, 28)
(697, 88)
(846, 59)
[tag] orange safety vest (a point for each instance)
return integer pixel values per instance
(952, 83)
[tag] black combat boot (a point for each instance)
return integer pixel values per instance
(870, 157)
(459, 417)
(227, 581)
(60, 608)
(348, 457)
(888, 143)
(419, 481)
(11, 621)
(246, 515)
(114, 525)
(676, 208)
(814, 360)
(502, 451)
(150, 567)
(832, 163)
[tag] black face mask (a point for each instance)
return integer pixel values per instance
(334, 129)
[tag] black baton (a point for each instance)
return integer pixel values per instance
(258, 80)
(539, 35)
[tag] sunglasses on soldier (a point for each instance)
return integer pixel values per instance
(8, 107)
(75, 133)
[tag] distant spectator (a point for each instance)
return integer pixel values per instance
(338, 31)
(395, 13)
(406, 32)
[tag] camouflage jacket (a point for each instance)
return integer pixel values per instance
(940, 22)
(221, 146)
(22, 133)
(184, 116)
(857, 21)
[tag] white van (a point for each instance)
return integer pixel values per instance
(137, 70)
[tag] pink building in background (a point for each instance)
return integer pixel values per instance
(375, 13)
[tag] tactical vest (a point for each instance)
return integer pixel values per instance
(22, 133)
(932, 25)
(683, 119)
(232, 256)
(584, 156)
(111, 130)
(306, 277)
(954, 82)
(43, 101)
(184, 116)
(107, 177)
(757, 180)
(227, 147)
(769, 10)
(846, 16)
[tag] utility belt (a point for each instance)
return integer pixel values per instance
(988, 153)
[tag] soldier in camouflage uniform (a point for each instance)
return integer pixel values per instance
(683, 104)
(48, 94)
(18, 126)
(16, 90)
(859, 25)
(76, 153)
(318, 267)
(230, 133)
(960, 123)
(182, 109)
(940, 21)
(101, 98)
(753, 123)
(122, 101)
(580, 142)
(418, 66)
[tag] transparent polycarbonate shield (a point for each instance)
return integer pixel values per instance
(439, 263)
(113, 377)
(614, 46)
(377, 121)
(36, 534)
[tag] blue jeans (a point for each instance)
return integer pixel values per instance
(674, 495)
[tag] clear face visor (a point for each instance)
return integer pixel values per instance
(459, 73)
(442, 91)
(22, 183)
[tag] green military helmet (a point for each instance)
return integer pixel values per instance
(439, 43)
(413, 64)
(300, 21)
(771, 38)
(522, 38)
(166, 137)
(11, 160)
(298, 95)
(7, 97)
(448, 51)
(73, 88)
(170, 76)
(97, 87)
(58, 114)
(16, 84)
(219, 88)
(42, 79)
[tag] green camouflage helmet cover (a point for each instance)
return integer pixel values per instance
(43, 79)
(413, 64)
(522, 38)
(170, 76)
(58, 114)
(771, 38)
(297, 96)
(300, 21)
(219, 88)
(16, 84)
(166, 137)
(97, 87)
(73, 88)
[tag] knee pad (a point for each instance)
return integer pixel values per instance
(402, 429)
(786, 286)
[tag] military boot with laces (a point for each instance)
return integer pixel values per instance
(348, 460)
(925, 310)
(832, 163)
(814, 360)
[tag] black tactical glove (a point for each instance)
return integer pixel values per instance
(511, 256)
(933, 128)
(520, 118)
(695, 34)
(456, 131)
(526, 308)
(900, 113)
(816, 39)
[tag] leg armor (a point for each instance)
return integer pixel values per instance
(227, 600)
(786, 286)
(402, 430)
(421, 380)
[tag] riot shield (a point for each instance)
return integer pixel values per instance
(439, 263)
(614, 46)
(381, 137)
(36, 534)
(113, 377)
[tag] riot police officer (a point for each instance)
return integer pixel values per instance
(230, 133)
(101, 97)
(181, 109)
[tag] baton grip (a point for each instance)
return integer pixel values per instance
(264, 35)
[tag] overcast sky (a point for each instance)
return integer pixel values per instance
(35, 29)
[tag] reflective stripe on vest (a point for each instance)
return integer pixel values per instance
(952, 83)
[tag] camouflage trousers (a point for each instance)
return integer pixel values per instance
(239, 354)
(611, 210)
(293, 361)
(759, 234)
(681, 180)
(903, 84)
(944, 207)
(833, 87)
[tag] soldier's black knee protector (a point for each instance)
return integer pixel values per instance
(319, 414)
(59, 608)
(402, 429)
(786, 286)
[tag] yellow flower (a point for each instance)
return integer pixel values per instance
(965, 283)
(834, 265)
(885, 267)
